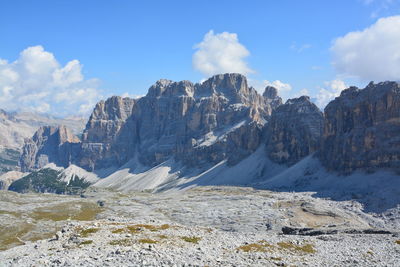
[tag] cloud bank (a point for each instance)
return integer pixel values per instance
(36, 81)
(371, 54)
(220, 53)
(331, 90)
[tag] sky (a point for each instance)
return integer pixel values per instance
(61, 57)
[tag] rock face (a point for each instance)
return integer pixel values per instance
(49, 144)
(103, 128)
(294, 131)
(198, 124)
(362, 129)
(16, 126)
(8, 178)
(271, 95)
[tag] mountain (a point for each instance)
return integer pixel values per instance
(222, 132)
(51, 179)
(16, 126)
(294, 131)
(198, 124)
(49, 145)
(362, 129)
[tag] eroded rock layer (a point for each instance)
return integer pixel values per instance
(294, 131)
(362, 129)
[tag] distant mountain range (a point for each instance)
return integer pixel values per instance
(222, 131)
(16, 126)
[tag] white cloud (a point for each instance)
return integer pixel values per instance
(302, 92)
(371, 54)
(300, 48)
(126, 94)
(281, 86)
(36, 81)
(220, 53)
(331, 90)
(284, 89)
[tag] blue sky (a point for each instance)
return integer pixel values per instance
(122, 47)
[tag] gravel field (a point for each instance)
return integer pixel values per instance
(205, 226)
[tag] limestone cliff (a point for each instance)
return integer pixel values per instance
(294, 131)
(49, 144)
(362, 129)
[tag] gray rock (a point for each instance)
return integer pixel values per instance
(49, 144)
(198, 124)
(294, 131)
(102, 129)
(362, 128)
(271, 95)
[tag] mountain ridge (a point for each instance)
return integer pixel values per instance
(187, 130)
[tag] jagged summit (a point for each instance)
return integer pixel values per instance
(224, 120)
(362, 129)
(232, 86)
(49, 144)
(199, 124)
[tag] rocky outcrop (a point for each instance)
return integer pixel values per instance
(294, 131)
(16, 126)
(8, 178)
(271, 96)
(103, 128)
(198, 124)
(362, 129)
(49, 144)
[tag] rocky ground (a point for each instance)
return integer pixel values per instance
(204, 226)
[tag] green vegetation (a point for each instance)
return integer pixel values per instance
(147, 241)
(397, 242)
(88, 231)
(118, 231)
(121, 242)
(260, 246)
(78, 182)
(306, 248)
(80, 211)
(153, 228)
(86, 242)
(191, 239)
(48, 181)
(45, 180)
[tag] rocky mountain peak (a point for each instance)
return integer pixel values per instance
(107, 118)
(294, 130)
(361, 129)
(60, 134)
(49, 144)
(270, 92)
(232, 86)
(271, 96)
(167, 88)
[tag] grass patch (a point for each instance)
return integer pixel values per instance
(191, 239)
(306, 248)
(118, 231)
(86, 242)
(80, 211)
(88, 231)
(147, 241)
(121, 242)
(153, 228)
(397, 242)
(260, 246)
(162, 236)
